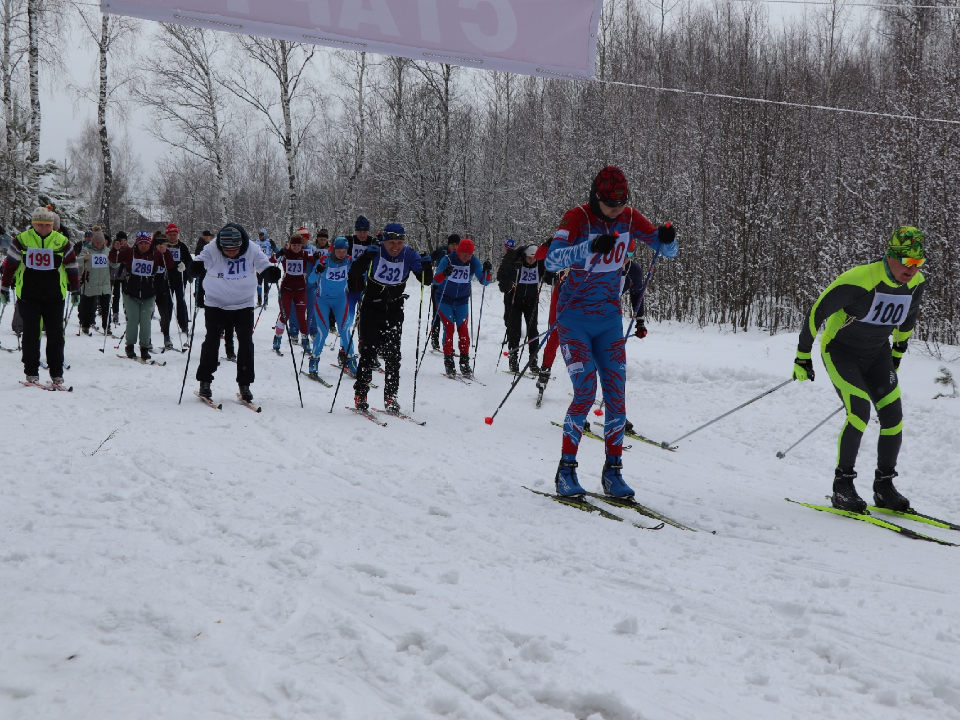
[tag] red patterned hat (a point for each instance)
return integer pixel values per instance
(611, 184)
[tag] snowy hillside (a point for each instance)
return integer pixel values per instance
(301, 564)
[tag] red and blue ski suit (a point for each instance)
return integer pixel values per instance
(454, 277)
(589, 321)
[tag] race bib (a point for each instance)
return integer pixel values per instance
(142, 268)
(613, 260)
(389, 273)
(529, 276)
(888, 309)
(459, 273)
(338, 274)
(40, 258)
(99, 261)
(358, 250)
(294, 267)
(176, 254)
(236, 269)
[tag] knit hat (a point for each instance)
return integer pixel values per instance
(453, 239)
(43, 215)
(121, 235)
(97, 234)
(906, 242)
(171, 228)
(323, 232)
(610, 185)
(394, 229)
(466, 246)
(509, 244)
(361, 224)
(531, 251)
(341, 243)
(303, 232)
(143, 236)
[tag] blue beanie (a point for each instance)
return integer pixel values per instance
(395, 228)
(509, 244)
(361, 224)
(340, 243)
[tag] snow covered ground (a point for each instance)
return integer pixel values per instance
(302, 564)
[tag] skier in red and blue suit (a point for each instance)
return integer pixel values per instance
(593, 241)
(453, 280)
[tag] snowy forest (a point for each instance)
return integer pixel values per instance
(771, 201)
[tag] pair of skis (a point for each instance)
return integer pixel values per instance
(219, 406)
(369, 415)
(50, 385)
(581, 503)
(589, 434)
(644, 439)
(465, 379)
(142, 361)
(871, 519)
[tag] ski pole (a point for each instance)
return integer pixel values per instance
(420, 361)
(193, 329)
(731, 412)
(293, 355)
(643, 291)
(783, 453)
(356, 322)
(483, 294)
(489, 420)
(109, 316)
(506, 330)
(262, 306)
(417, 354)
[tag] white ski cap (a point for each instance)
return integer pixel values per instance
(531, 251)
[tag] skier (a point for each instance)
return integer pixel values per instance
(504, 281)
(269, 248)
(116, 286)
(453, 276)
(380, 318)
(42, 267)
(95, 274)
(332, 301)
(139, 277)
(524, 303)
(229, 268)
(293, 290)
(553, 339)
(178, 278)
(861, 309)
(162, 286)
(592, 241)
(453, 240)
(359, 242)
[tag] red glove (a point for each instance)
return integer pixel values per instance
(542, 251)
(439, 278)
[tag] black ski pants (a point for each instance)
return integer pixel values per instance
(216, 321)
(117, 291)
(182, 315)
(860, 381)
(379, 332)
(87, 312)
(523, 309)
(165, 308)
(32, 312)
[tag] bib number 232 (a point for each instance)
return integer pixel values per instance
(389, 273)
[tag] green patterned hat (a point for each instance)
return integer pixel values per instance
(906, 242)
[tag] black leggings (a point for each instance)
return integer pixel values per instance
(861, 381)
(216, 320)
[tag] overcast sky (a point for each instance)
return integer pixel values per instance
(64, 115)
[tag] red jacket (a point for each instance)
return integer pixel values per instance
(296, 266)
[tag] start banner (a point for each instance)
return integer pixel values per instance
(551, 38)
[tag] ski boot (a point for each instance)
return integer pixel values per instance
(449, 367)
(130, 352)
(342, 357)
(353, 365)
(259, 297)
(612, 479)
(844, 493)
(566, 479)
(543, 379)
(56, 380)
(465, 366)
(360, 402)
(231, 356)
(628, 427)
(245, 393)
(167, 343)
(145, 353)
(276, 342)
(33, 378)
(586, 427)
(514, 362)
(205, 390)
(314, 367)
(305, 344)
(435, 339)
(391, 406)
(885, 495)
(534, 368)
(86, 330)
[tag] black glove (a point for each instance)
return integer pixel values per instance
(197, 269)
(666, 234)
(273, 274)
(603, 243)
(487, 266)
(641, 331)
(803, 369)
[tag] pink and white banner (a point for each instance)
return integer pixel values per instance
(553, 38)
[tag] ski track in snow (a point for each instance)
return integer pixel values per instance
(302, 564)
